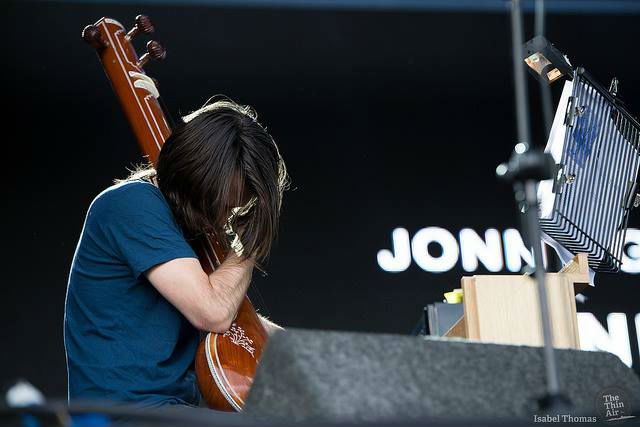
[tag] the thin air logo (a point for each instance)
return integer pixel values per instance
(613, 404)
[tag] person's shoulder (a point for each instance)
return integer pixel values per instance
(135, 194)
(129, 190)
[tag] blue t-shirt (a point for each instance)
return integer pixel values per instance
(124, 341)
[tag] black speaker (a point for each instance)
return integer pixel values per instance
(354, 377)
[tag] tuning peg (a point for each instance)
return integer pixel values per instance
(154, 51)
(92, 35)
(143, 23)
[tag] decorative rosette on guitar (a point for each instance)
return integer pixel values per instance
(226, 363)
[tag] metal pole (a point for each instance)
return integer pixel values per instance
(545, 90)
(522, 103)
(553, 263)
(531, 198)
(531, 195)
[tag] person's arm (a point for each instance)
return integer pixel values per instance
(210, 302)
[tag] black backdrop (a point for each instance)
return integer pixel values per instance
(385, 119)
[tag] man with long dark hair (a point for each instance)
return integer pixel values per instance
(137, 294)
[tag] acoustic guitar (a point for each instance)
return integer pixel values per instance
(225, 363)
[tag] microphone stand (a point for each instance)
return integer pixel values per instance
(525, 169)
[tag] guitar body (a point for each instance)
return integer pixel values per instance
(225, 363)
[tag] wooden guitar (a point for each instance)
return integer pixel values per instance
(225, 363)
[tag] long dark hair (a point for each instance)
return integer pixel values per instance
(217, 158)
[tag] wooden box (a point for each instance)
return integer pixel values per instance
(505, 309)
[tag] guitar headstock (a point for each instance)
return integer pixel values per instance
(138, 93)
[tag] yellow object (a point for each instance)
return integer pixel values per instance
(454, 297)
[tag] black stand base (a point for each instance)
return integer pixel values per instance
(555, 404)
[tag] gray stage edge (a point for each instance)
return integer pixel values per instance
(357, 377)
